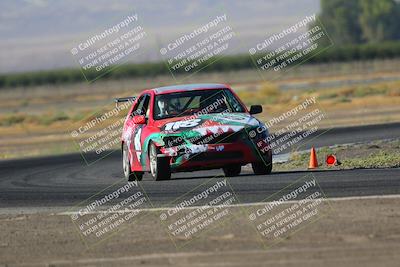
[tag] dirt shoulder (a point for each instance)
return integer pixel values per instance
(362, 232)
(374, 154)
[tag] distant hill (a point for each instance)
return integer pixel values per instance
(38, 34)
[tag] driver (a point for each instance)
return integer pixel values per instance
(163, 106)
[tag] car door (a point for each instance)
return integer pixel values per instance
(135, 129)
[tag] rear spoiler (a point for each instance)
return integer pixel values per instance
(124, 99)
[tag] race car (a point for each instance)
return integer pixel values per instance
(192, 127)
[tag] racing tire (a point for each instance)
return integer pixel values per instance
(159, 166)
(126, 166)
(263, 167)
(232, 170)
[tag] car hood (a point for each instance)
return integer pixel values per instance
(208, 123)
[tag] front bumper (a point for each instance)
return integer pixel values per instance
(210, 155)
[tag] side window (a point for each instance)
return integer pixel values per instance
(145, 108)
(141, 106)
(138, 110)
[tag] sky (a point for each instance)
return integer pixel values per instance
(39, 34)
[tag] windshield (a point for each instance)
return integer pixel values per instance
(195, 102)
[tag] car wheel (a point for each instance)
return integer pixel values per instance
(232, 170)
(159, 166)
(126, 165)
(263, 167)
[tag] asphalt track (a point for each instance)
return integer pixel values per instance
(65, 181)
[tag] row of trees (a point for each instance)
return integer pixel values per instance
(227, 63)
(361, 21)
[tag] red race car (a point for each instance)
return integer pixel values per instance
(192, 127)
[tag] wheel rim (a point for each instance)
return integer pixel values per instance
(125, 162)
(153, 160)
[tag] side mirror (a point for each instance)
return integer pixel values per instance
(255, 109)
(140, 119)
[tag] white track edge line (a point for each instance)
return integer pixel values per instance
(241, 204)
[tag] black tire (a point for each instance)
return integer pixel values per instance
(232, 170)
(126, 167)
(159, 166)
(263, 167)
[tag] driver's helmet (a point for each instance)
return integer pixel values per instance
(162, 105)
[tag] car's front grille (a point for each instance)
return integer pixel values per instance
(215, 156)
(217, 138)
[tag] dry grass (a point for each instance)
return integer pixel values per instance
(376, 154)
(48, 114)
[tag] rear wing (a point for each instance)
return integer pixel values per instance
(124, 99)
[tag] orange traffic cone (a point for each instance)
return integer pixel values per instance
(313, 159)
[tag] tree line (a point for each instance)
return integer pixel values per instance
(227, 63)
(361, 21)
